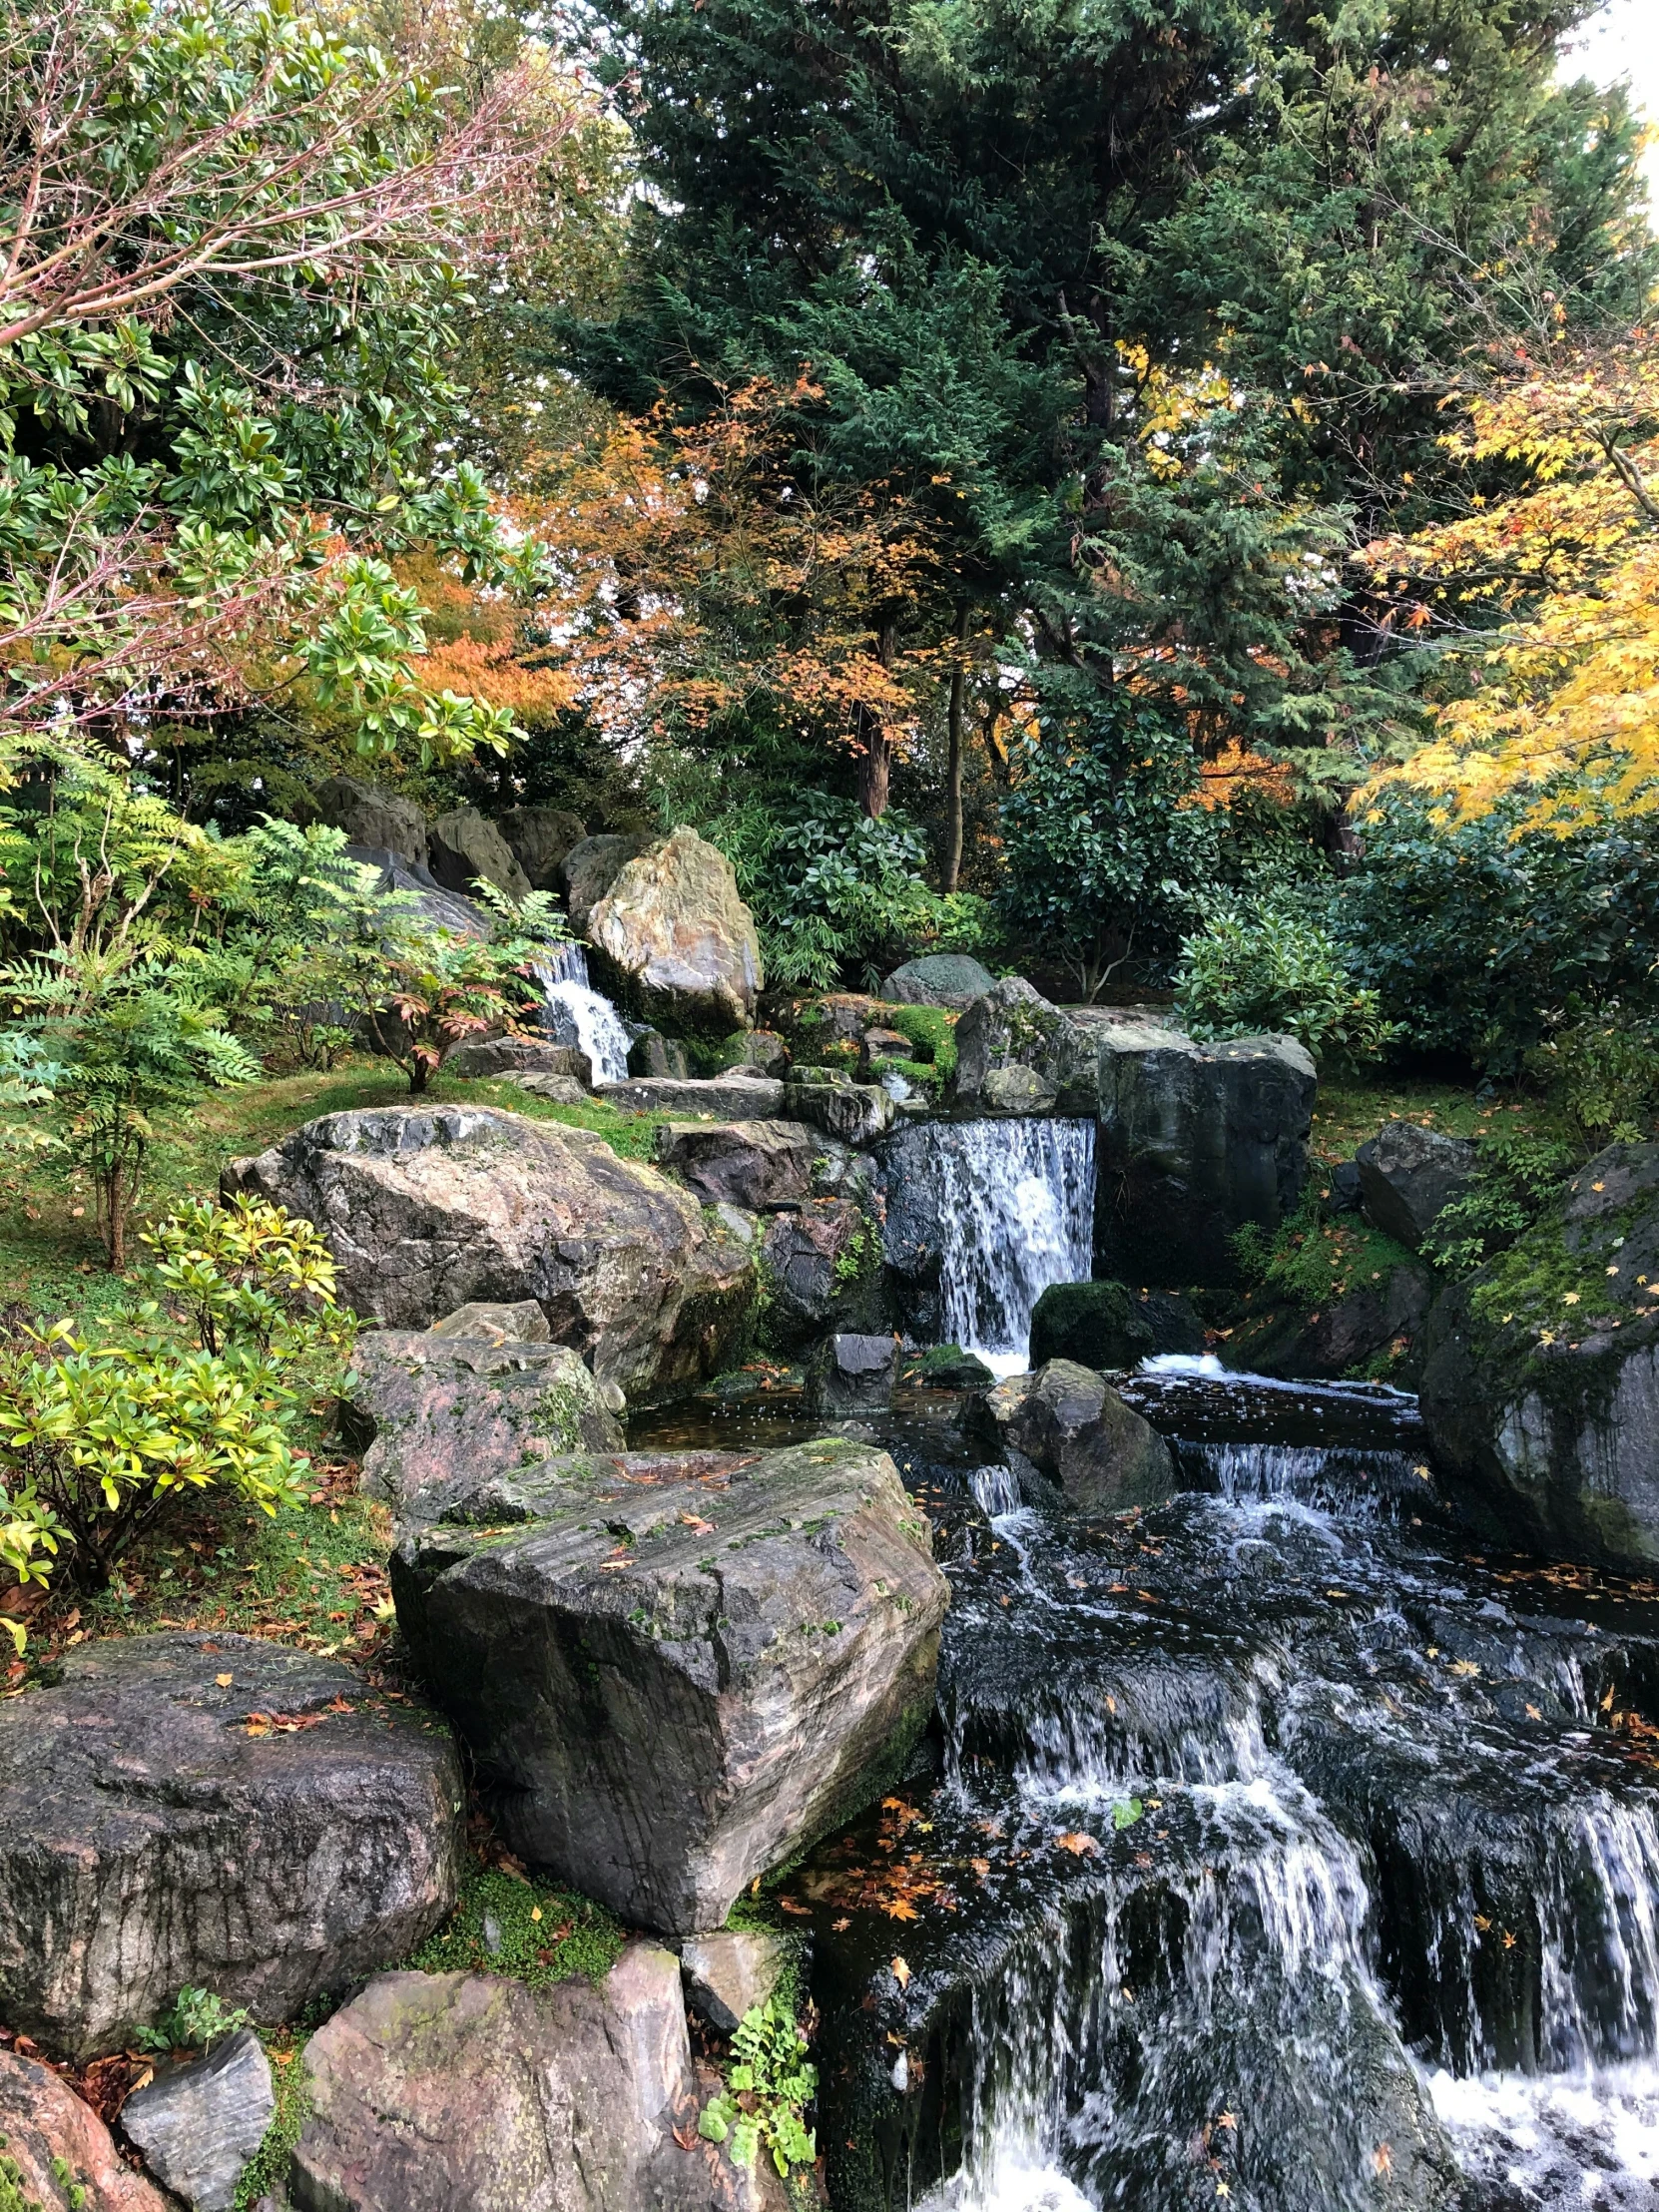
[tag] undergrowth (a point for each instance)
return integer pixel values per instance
(516, 1923)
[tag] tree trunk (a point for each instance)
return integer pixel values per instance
(876, 759)
(953, 760)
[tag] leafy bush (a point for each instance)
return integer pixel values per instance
(1605, 1075)
(767, 2090)
(1257, 968)
(196, 2021)
(1517, 1178)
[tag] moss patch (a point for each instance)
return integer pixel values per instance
(538, 1932)
(268, 2168)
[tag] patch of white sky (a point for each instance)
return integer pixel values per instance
(1623, 41)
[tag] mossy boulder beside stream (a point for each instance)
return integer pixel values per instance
(1542, 1387)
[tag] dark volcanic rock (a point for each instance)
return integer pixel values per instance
(45, 2126)
(151, 1836)
(1108, 1324)
(197, 2126)
(850, 1375)
(441, 1410)
(473, 2094)
(759, 1165)
(1068, 1423)
(1374, 1323)
(1408, 1173)
(428, 1209)
(671, 1677)
(540, 837)
(824, 1265)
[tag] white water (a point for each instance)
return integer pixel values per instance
(575, 1013)
(1016, 1206)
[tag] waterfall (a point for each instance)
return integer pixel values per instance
(574, 1013)
(1015, 1211)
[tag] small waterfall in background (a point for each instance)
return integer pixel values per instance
(1015, 1203)
(574, 1013)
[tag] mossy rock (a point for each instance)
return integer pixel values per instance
(1111, 1326)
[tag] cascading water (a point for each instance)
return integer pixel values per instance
(575, 1013)
(1015, 1207)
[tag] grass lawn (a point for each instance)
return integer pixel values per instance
(1351, 1108)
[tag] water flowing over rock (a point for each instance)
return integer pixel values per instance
(153, 1834)
(575, 1014)
(473, 2094)
(672, 1673)
(981, 1217)
(1068, 1423)
(1194, 1141)
(428, 1209)
(1543, 1402)
(1408, 1173)
(45, 2126)
(463, 848)
(199, 2123)
(680, 942)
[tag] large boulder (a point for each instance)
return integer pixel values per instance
(435, 1411)
(213, 1810)
(849, 1377)
(514, 1056)
(56, 2153)
(823, 1269)
(1541, 1383)
(1109, 1325)
(759, 1165)
(428, 1208)
(676, 941)
(852, 1113)
(1066, 1422)
(672, 1674)
(468, 2092)
(938, 979)
(539, 838)
(1016, 1055)
(589, 870)
(379, 819)
(1376, 1327)
(1408, 1173)
(430, 904)
(1193, 1141)
(199, 2124)
(740, 1096)
(463, 848)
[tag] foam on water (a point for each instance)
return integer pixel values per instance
(576, 1014)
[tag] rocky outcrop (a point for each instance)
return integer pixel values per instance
(823, 1268)
(428, 1209)
(1016, 1054)
(1541, 1383)
(197, 2126)
(539, 838)
(431, 906)
(1193, 1141)
(676, 941)
(1408, 1173)
(653, 1054)
(213, 1810)
(463, 848)
(759, 1165)
(379, 819)
(589, 870)
(474, 2093)
(1108, 1324)
(739, 1096)
(673, 1674)
(727, 1975)
(849, 1377)
(1066, 1424)
(761, 1051)
(506, 1056)
(1376, 1327)
(938, 979)
(47, 2132)
(852, 1113)
(437, 1409)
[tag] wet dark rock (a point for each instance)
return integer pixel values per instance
(1378, 1326)
(671, 1679)
(938, 979)
(759, 1165)
(463, 848)
(1108, 1324)
(473, 2094)
(1408, 1173)
(948, 1367)
(1341, 1183)
(589, 870)
(851, 1376)
(673, 942)
(654, 1055)
(379, 819)
(428, 1209)
(540, 837)
(430, 1410)
(823, 1264)
(196, 2125)
(1195, 1139)
(1016, 1054)
(46, 2128)
(520, 1056)
(1544, 1413)
(852, 1113)
(1068, 1423)
(727, 1975)
(151, 1836)
(732, 1097)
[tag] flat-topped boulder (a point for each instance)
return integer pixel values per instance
(439, 1409)
(429, 1208)
(510, 1056)
(674, 941)
(470, 2093)
(672, 1673)
(1066, 1424)
(213, 1810)
(852, 1113)
(735, 1097)
(759, 1165)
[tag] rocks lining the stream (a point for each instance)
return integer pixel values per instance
(436, 1410)
(199, 2123)
(1108, 1324)
(429, 1208)
(540, 837)
(155, 1833)
(823, 1264)
(759, 1165)
(731, 1971)
(1408, 1174)
(518, 1056)
(44, 2125)
(672, 1675)
(849, 1377)
(1018, 1055)
(1065, 1423)
(468, 2092)
(852, 1113)
(674, 941)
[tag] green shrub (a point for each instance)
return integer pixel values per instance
(1603, 1074)
(1517, 1178)
(196, 2021)
(768, 2090)
(1256, 968)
